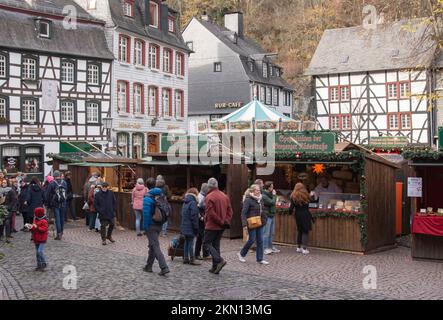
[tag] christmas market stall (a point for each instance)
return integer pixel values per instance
(424, 187)
(352, 191)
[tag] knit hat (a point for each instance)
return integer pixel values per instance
(212, 183)
(39, 212)
(140, 181)
(49, 179)
(56, 174)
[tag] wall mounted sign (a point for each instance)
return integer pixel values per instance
(388, 141)
(124, 125)
(415, 187)
(228, 105)
(49, 95)
(315, 142)
(29, 130)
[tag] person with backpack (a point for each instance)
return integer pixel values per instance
(218, 215)
(189, 225)
(39, 229)
(161, 184)
(201, 224)
(56, 200)
(106, 205)
(155, 213)
(34, 199)
(138, 194)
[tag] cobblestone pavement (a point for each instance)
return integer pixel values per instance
(115, 272)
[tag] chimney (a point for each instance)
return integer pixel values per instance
(205, 17)
(234, 22)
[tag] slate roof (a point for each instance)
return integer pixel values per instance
(137, 24)
(18, 32)
(398, 45)
(246, 48)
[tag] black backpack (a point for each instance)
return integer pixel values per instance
(162, 210)
(60, 195)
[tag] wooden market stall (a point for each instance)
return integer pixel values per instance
(359, 219)
(427, 209)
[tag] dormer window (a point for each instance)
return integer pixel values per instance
(92, 4)
(251, 65)
(265, 69)
(171, 24)
(43, 28)
(153, 14)
(128, 8)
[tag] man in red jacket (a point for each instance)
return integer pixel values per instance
(218, 215)
(39, 229)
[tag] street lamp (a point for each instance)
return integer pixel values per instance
(107, 123)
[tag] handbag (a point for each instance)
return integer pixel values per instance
(86, 206)
(254, 222)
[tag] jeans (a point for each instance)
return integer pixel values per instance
(153, 233)
(138, 219)
(59, 219)
(211, 243)
(268, 232)
(39, 249)
(165, 228)
(254, 235)
(199, 242)
(189, 248)
(105, 223)
(92, 217)
(302, 239)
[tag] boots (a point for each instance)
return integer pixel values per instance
(194, 263)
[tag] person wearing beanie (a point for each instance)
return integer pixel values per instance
(218, 215)
(161, 184)
(56, 200)
(39, 229)
(138, 194)
(106, 206)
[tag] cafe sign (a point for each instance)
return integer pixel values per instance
(229, 105)
(297, 142)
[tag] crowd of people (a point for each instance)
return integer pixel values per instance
(205, 215)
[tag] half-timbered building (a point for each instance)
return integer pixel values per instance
(55, 81)
(150, 78)
(376, 82)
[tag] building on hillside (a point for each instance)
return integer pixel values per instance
(55, 82)
(150, 77)
(228, 70)
(378, 83)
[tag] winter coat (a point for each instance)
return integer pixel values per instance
(252, 207)
(91, 195)
(303, 217)
(165, 189)
(50, 193)
(22, 197)
(11, 200)
(34, 198)
(69, 190)
(190, 216)
(138, 194)
(218, 211)
(40, 233)
(148, 207)
(105, 204)
(269, 201)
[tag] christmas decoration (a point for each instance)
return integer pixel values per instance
(318, 168)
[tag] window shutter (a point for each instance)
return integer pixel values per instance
(128, 50)
(143, 53)
(142, 99)
(170, 102)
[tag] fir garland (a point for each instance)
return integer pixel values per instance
(425, 154)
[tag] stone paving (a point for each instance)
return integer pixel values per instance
(115, 272)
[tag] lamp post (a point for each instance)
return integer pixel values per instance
(107, 123)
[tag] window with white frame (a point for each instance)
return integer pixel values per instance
(405, 90)
(153, 56)
(406, 121)
(334, 94)
(93, 74)
(265, 70)
(262, 94)
(217, 67)
(123, 143)
(268, 95)
(137, 143)
(29, 111)
(3, 66)
(271, 70)
(92, 112)
(153, 101)
(67, 112)
(153, 14)
(139, 52)
(167, 60)
(3, 109)
(29, 69)
(123, 49)
(392, 90)
(138, 98)
(335, 122)
(288, 98)
(44, 28)
(122, 96)
(128, 8)
(277, 72)
(275, 96)
(166, 102)
(68, 72)
(251, 64)
(171, 24)
(179, 64)
(346, 122)
(393, 121)
(179, 104)
(339, 93)
(345, 93)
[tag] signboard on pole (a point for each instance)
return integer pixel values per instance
(415, 187)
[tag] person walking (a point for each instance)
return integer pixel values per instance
(161, 184)
(70, 196)
(8, 199)
(34, 199)
(201, 224)
(153, 230)
(218, 215)
(269, 196)
(39, 229)
(189, 225)
(138, 194)
(15, 189)
(92, 213)
(300, 206)
(253, 207)
(23, 204)
(106, 205)
(92, 180)
(56, 199)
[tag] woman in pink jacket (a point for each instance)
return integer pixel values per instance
(138, 193)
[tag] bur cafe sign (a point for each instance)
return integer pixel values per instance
(313, 142)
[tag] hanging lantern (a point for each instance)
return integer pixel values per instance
(318, 168)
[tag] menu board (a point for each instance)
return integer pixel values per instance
(415, 187)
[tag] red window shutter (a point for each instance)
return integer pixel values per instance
(158, 57)
(182, 107)
(171, 61)
(151, 13)
(182, 57)
(128, 51)
(144, 53)
(128, 107)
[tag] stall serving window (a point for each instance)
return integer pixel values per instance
(22, 158)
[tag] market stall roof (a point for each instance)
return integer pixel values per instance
(255, 110)
(92, 159)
